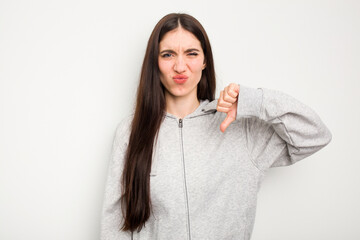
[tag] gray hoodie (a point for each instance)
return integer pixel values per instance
(203, 182)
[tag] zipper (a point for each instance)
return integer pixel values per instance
(186, 191)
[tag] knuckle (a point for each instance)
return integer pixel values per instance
(228, 98)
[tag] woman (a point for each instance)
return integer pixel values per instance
(173, 173)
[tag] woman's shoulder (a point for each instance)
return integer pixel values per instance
(125, 122)
(123, 128)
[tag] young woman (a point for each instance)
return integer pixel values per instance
(175, 173)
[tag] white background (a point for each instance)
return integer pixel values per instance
(68, 74)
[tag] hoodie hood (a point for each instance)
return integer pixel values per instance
(205, 107)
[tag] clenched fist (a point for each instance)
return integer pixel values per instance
(228, 103)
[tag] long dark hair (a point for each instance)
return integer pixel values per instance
(149, 114)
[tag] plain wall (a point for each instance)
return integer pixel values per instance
(68, 75)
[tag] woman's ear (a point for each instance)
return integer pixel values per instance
(204, 66)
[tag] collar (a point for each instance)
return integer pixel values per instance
(205, 107)
(209, 106)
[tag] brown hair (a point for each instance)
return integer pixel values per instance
(149, 114)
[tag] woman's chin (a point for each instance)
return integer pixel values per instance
(182, 91)
(179, 93)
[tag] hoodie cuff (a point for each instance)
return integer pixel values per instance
(249, 102)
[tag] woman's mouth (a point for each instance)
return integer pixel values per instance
(180, 79)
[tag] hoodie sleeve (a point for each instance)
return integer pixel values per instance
(112, 218)
(279, 129)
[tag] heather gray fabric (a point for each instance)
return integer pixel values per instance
(204, 183)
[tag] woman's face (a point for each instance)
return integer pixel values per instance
(181, 61)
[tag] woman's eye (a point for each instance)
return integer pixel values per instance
(193, 54)
(165, 55)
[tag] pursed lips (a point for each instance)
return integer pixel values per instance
(180, 78)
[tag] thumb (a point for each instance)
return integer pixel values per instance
(230, 117)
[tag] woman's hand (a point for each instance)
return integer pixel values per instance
(228, 103)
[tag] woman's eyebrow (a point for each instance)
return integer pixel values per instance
(167, 51)
(186, 51)
(192, 50)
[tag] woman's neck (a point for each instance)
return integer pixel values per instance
(181, 106)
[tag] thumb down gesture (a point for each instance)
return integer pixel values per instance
(228, 103)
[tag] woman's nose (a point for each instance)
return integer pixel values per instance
(180, 65)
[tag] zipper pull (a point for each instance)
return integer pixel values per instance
(180, 123)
